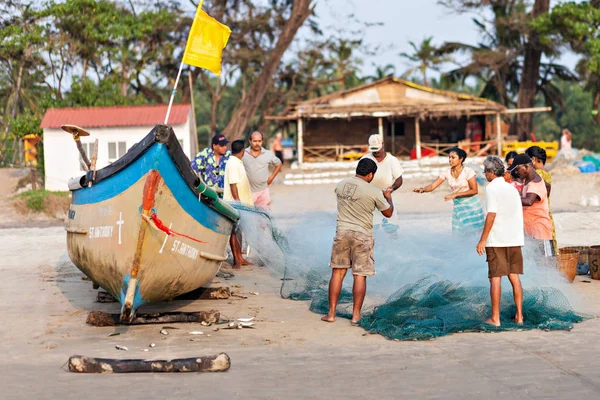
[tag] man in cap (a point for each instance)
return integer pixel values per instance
(534, 199)
(210, 164)
(257, 161)
(502, 237)
(389, 172)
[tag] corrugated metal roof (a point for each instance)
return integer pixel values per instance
(105, 117)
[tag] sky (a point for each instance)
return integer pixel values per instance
(404, 21)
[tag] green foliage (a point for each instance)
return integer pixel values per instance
(74, 53)
(35, 199)
(575, 116)
(498, 58)
(87, 93)
(577, 24)
(26, 124)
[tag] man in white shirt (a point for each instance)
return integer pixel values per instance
(502, 237)
(389, 171)
(237, 188)
(237, 185)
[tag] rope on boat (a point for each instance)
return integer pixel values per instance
(158, 224)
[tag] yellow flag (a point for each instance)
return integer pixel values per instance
(206, 41)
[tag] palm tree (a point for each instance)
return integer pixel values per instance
(499, 60)
(427, 56)
(381, 72)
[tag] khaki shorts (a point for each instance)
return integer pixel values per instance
(354, 250)
(503, 261)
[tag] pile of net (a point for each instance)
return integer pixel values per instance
(428, 283)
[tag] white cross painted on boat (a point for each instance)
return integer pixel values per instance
(165, 241)
(120, 222)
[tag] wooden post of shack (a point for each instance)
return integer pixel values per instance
(393, 137)
(300, 140)
(417, 138)
(498, 136)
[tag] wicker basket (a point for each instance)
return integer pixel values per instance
(567, 263)
(583, 253)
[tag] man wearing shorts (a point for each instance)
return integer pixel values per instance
(353, 244)
(502, 237)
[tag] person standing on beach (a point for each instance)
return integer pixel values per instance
(210, 164)
(353, 245)
(467, 216)
(278, 147)
(502, 238)
(534, 199)
(512, 177)
(237, 188)
(237, 185)
(257, 161)
(565, 140)
(538, 159)
(389, 171)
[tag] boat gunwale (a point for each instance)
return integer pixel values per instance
(165, 135)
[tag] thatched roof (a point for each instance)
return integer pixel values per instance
(391, 97)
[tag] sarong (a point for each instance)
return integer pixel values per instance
(468, 215)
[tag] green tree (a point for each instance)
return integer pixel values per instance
(294, 14)
(578, 25)
(22, 69)
(574, 115)
(426, 56)
(508, 58)
(381, 72)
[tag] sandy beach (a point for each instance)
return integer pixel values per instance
(291, 353)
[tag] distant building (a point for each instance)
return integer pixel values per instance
(413, 120)
(116, 128)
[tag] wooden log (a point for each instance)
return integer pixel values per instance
(99, 318)
(82, 364)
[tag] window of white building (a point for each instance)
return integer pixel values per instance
(116, 150)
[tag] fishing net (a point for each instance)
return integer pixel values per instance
(428, 283)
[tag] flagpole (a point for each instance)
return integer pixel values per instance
(173, 93)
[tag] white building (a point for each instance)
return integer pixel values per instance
(116, 128)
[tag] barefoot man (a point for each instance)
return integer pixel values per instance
(502, 237)
(353, 244)
(237, 188)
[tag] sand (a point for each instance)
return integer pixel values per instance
(291, 353)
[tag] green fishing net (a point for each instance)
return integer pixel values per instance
(428, 284)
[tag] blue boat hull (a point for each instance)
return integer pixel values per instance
(142, 230)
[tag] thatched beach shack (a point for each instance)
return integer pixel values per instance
(414, 120)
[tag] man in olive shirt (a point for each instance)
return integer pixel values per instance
(354, 244)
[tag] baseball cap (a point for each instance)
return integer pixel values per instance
(219, 140)
(375, 143)
(521, 159)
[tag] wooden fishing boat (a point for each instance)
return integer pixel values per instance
(146, 228)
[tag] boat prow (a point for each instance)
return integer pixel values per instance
(147, 229)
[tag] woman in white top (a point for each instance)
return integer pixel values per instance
(468, 214)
